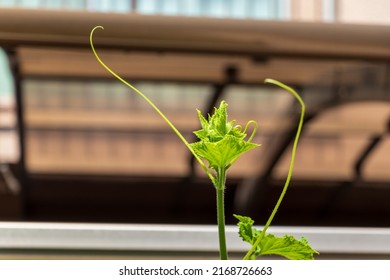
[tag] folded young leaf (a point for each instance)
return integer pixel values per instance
(246, 230)
(287, 246)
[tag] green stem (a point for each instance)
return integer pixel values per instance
(289, 175)
(220, 187)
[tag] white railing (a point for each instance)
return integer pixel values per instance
(176, 239)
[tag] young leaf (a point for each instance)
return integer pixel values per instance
(221, 142)
(287, 246)
(223, 152)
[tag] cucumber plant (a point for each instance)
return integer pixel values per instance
(221, 143)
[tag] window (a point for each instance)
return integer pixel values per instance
(239, 9)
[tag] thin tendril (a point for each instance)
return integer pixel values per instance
(254, 129)
(150, 103)
(290, 170)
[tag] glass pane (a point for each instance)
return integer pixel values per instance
(6, 83)
(8, 136)
(29, 4)
(8, 3)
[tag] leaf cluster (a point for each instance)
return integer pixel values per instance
(287, 246)
(221, 142)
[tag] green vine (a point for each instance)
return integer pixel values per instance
(150, 103)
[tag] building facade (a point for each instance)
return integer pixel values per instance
(79, 125)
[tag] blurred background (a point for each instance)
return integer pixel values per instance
(76, 145)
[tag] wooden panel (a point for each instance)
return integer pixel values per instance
(46, 62)
(186, 34)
